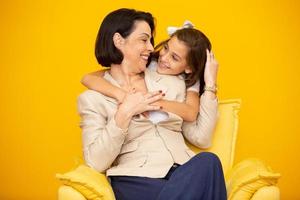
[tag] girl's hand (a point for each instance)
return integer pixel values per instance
(211, 69)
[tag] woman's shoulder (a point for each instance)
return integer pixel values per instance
(90, 95)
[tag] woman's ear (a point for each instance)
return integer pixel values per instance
(118, 40)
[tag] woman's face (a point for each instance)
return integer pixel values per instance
(172, 58)
(137, 47)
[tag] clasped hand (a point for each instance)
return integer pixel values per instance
(136, 102)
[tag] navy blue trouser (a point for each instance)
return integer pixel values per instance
(201, 178)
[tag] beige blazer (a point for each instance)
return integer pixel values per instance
(147, 149)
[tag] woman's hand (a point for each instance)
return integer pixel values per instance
(211, 69)
(135, 103)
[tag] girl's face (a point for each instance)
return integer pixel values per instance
(172, 58)
(137, 47)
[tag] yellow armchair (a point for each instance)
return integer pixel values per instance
(249, 179)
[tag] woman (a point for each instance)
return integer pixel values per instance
(139, 156)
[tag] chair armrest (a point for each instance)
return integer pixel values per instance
(247, 177)
(68, 193)
(88, 182)
(267, 193)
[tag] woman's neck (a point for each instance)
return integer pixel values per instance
(124, 77)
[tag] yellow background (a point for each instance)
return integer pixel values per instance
(46, 46)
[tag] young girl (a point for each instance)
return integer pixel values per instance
(187, 54)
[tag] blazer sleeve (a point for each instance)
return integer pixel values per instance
(199, 132)
(102, 139)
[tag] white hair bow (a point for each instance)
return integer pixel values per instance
(173, 29)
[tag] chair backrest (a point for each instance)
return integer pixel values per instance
(225, 134)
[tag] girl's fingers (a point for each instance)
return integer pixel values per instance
(154, 98)
(212, 55)
(213, 59)
(208, 57)
(151, 94)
